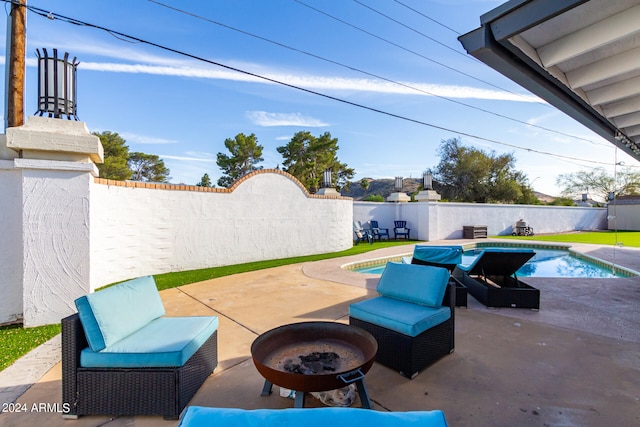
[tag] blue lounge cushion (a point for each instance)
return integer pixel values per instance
(438, 254)
(400, 316)
(419, 284)
(113, 313)
(163, 342)
(198, 416)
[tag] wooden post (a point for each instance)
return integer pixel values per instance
(15, 87)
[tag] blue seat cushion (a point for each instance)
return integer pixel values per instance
(165, 341)
(400, 316)
(198, 416)
(419, 284)
(113, 313)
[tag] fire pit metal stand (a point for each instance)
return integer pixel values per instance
(358, 379)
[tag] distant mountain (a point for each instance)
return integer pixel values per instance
(544, 198)
(382, 187)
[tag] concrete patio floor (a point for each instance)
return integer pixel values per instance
(575, 362)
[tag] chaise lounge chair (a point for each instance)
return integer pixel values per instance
(493, 281)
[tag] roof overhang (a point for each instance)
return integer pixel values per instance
(581, 56)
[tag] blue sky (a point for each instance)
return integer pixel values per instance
(408, 63)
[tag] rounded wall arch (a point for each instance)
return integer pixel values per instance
(143, 228)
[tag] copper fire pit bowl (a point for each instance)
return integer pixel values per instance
(350, 349)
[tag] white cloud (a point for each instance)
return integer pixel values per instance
(263, 118)
(311, 82)
(144, 139)
(187, 159)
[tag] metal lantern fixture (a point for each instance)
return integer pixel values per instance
(326, 179)
(427, 181)
(56, 85)
(398, 184)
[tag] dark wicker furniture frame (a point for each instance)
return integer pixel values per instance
(512, 292)
(410, 355)
(493, 280)
(134, 391)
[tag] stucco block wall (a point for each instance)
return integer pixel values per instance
(56, 231)
(10, 243)
(624, 217)
(437, 221)
(267, 215)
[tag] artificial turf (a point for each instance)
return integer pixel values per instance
(607, 237)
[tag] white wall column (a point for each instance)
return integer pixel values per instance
(56, 237)
(10, 243)
(50, 184)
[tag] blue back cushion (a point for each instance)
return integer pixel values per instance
(111, 314)
(419, 284)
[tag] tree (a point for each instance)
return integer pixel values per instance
(116, 157)
(364, 183)
(306, 157)
(467, 174)
(205, 181)
(374, 198)
(148, 167)
(598, 183)
(245, 154)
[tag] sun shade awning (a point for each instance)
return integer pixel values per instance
(581, 56)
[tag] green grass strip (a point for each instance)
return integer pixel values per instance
(18, 341)
(179, 278)
(610, 237)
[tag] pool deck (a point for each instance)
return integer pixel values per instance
(575, 362)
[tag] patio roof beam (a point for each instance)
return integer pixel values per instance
(602, 33)
(499, 44)
(621, 108)
(615, 92)
(515, 65)
(518, 16)
(609, 68)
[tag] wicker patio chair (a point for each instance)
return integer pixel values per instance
(122, 391)
(408, 354)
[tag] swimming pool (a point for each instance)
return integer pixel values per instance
(547, 262)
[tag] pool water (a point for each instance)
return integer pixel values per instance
(545, 263)
(553, 263)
